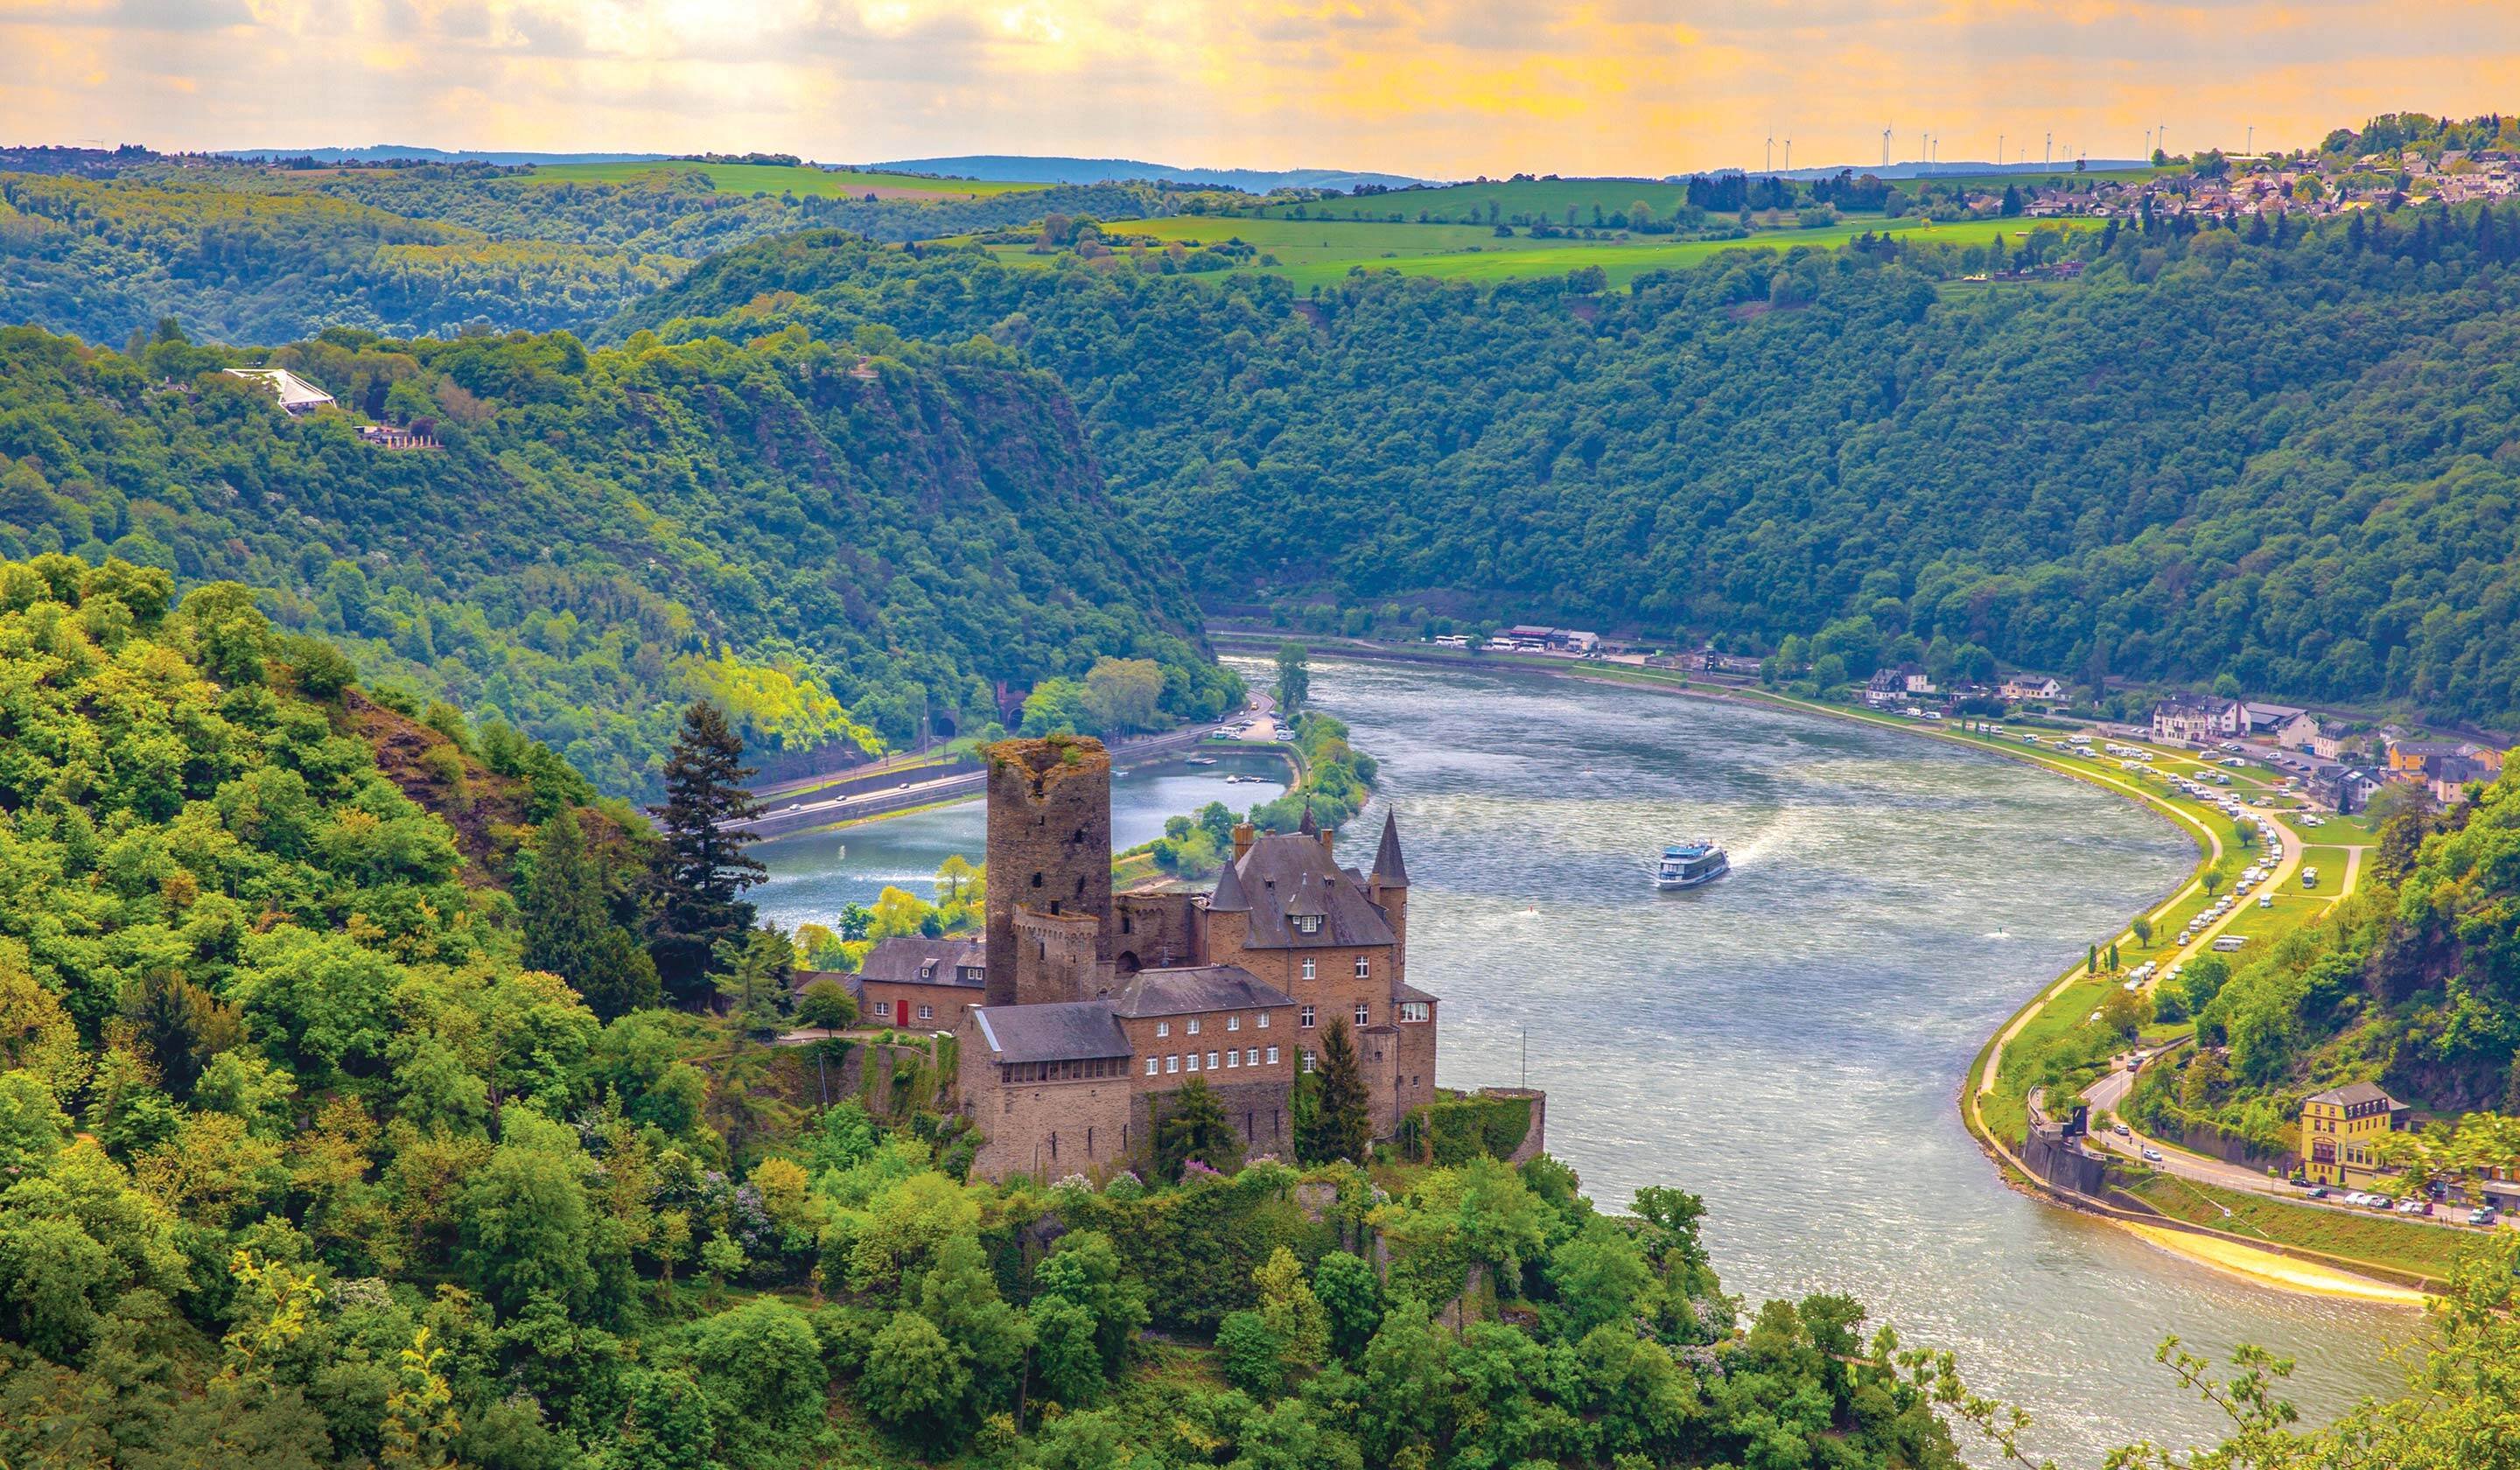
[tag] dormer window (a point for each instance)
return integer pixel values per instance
(1308, 923)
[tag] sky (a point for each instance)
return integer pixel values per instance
(1434, 88)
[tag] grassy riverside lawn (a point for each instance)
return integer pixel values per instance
(1316, 253)
(2370, 1238)
(781, 178)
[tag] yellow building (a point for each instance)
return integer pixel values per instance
(2341, 1127)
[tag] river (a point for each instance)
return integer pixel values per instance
(1789, 1041)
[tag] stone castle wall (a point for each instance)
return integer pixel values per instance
(1049, 844)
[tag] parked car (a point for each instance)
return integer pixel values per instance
(2481, 1215)
(2414, 1207)
(2316, 1191)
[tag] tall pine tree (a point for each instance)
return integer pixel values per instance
(568, 924)
(701, 869)
(1340, 1126)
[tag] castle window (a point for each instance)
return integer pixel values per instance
(1308, 1016)
(1308, 923)
(1153, 1065)
(1416, 1010)
(1172, 1064)
(1127, 925)
(1233, 1059)
(1308, 1058)
(1363, 1014)
(1193, 1025)
(1263, 1020)
(1251, 1055)
(1273, 1056)
(883, 1011)
(1364, 967)
(1193, 1062)
(928, 1012)
(1036, 880)
(1308, 969)
(1234, 1023)
(1163, 1029)
(1211, 1061)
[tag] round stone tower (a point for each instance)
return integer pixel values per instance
(1050, 855)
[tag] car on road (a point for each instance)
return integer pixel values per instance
(2414, 1207)
(2122, 1131)
(2481, 1215)
(2152, 1155)
(2316, 1191)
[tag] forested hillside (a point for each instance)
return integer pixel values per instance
(253, 255)
(2281, 455)
(830, 541)
(2413, 983)
(306, 1167)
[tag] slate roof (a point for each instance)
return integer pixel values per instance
(1387, 866)
(1062, 1031)
(1190, 989)
(1404, 990)
(844, 979)
(1286, 875)
(1229, 897)
(2353, 1093)
(902, 959)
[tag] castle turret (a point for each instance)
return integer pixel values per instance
(1389, 886)
(1227, 920)
(1050, 857)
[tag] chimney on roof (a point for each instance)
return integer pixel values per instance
(1244, 834)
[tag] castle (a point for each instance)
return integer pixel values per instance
(1095, 1008)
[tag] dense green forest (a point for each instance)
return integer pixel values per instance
(2413, 982)
(254, 255)
(2278, 453)
(832, 542)
(306, 1167)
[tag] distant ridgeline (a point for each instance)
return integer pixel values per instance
(2281, 453)
(830, 542)
(243, 255)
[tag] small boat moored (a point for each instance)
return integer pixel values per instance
(1689, 865)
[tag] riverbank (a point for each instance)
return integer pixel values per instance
(2058, 1004)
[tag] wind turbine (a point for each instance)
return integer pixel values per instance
(2047, 157)
(1789, 155)
(1772, 152)
(1999, 150)
(1885, 148)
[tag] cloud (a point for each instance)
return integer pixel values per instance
(1446, 88)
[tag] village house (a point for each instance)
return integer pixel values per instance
(295, 394)
(2268, 719)
(2031, 689)
(2340, 1130)
(911, 982)
(2196, 719)
(1897, 685)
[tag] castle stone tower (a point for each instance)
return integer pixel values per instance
(1049, 903)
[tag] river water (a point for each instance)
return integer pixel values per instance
(1789, 1041)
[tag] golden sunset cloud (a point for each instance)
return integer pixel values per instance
(1439, 88)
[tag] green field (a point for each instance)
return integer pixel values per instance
(2380, 1239)
(780, 178)
(1468, 203)
(1550, 199)
(1312, 253)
